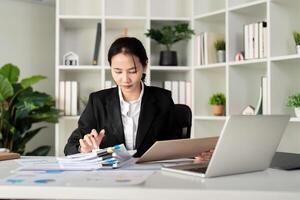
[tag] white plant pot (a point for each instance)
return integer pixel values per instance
(297, 112)
(221, 56)
(298, 49)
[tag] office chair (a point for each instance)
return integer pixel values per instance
(183, 115)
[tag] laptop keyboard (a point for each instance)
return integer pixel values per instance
(197, 169)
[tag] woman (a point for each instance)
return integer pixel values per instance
(131, 113)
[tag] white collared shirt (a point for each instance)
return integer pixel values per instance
(130, 112)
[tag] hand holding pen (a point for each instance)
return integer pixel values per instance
(91, 141)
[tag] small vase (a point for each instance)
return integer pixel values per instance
(297, 112)
(298, 49)
(218, 110)
(221, 56)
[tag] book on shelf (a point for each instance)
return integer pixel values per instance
(258, 107)
(205, 49)
(175, 92)
(181, 91)
(262, 102)
(68, 92)
(68, 97)
(200, 57)
(188, 94)
(74, 98)
(61, 98)
(168, 85)
(97, 44)
(255, 40)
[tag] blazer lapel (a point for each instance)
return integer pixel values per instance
(147, 114)
(114, 114)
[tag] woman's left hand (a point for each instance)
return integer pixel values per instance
(204, 156)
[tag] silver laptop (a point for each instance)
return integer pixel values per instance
(246, 144)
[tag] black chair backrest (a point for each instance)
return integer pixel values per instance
(183, 115)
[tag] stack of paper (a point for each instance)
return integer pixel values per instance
(112, 157)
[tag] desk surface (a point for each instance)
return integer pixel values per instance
(269, 184)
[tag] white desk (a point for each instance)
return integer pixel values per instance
(269, 184)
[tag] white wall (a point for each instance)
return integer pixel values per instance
(27, 39)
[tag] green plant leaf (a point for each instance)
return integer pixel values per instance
(170, 34)
(31, 80)
(294, 100)
(217, 99)
(40, 151)
(29, 135)
(11, 72)
(6, 89)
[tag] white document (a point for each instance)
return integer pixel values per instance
(72, 178)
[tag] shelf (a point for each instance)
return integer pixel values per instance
(80, 67)
(204, 7)
(295, 119)
(80, 7)
(208, 82)
(115, 17)
(79, 17)
(170, 68)
(281, 40)
(248, 62)
(286, 58)
(128, 8)
(80, 23)
(217, 118)
(248, 6)
(215, 16)
(284, 82)
(210, 66)
(170, 8)
(179, 19)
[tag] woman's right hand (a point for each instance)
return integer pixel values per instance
(91, 141)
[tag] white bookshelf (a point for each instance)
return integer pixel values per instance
(76, 23)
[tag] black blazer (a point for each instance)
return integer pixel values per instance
(156, 120)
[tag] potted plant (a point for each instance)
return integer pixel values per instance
(220, 47)
(297, 40)
(20, 107)
(167, 36)
(294, 101)
(218, 102)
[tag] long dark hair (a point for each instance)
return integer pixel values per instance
(129, 45)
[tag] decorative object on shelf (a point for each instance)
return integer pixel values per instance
(249, 110)
(71, 59)
(239, 56)
(297, 41)
(218, 102)
(167, 36)
(20, 107)
(97, 44)
(294, 101)
(220, 47)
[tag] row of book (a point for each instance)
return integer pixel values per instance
(255, 40)
(205, 50)
(68, 97)
(181, 90)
